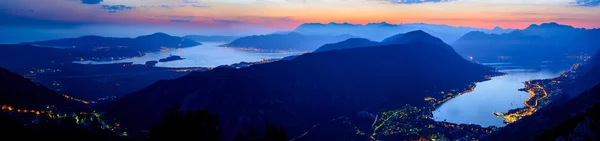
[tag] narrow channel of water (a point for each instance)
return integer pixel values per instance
(497, 95)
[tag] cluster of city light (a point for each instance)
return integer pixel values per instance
(252, 49)
(80, 118)
(165, 49)
(538, 93)
(11, 109)
(531, 104)
(450, 95)
(76, 99)
(188, 69)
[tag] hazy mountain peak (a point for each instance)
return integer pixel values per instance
(418, 36)
(548, 25)
(409, 37)
(474, 34)
(380, 24)
(159, 34)
(347, 44)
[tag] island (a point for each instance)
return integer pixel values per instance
(171, 58)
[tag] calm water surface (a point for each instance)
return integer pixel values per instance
(206, 55)
(497, 95)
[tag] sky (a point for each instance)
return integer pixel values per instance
(48, 18)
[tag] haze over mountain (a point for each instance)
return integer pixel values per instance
(127, 47)
(286, 41)
(379, 31)
(312, 88)
(347, 44)
(545, 42)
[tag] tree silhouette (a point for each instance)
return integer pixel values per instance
(64, 129)
(196, 125)
(10, 127)
(272, 133)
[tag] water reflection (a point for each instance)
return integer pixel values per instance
(497, 95)
(206, 55)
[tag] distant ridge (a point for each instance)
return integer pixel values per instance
(287, 41)
(347, 44)
(120, 46)
(382, 30)
(543, 42)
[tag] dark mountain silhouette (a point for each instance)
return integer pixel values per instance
(545, 42)
(581, 127)
(309, 89)
(416, 36)
(19, 92)
(347, 44)
(289, 41)
(22, 58)
(117, 47)
(380, 31)
(201, 38)
(404, 38)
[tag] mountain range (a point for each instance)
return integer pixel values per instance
(379, 31)
(124, 47)
(286, 41)
(544, 42)
(311, 88)
(410, 37)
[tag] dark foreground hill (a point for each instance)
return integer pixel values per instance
(309, 89)
(19, 92)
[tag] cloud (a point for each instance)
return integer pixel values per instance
(180, 17)
(200, 6)
(179, 21)
(416, 1)
(190, 1)
(91, 1)
(230, 21)
(587, 3)
(115, 8)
